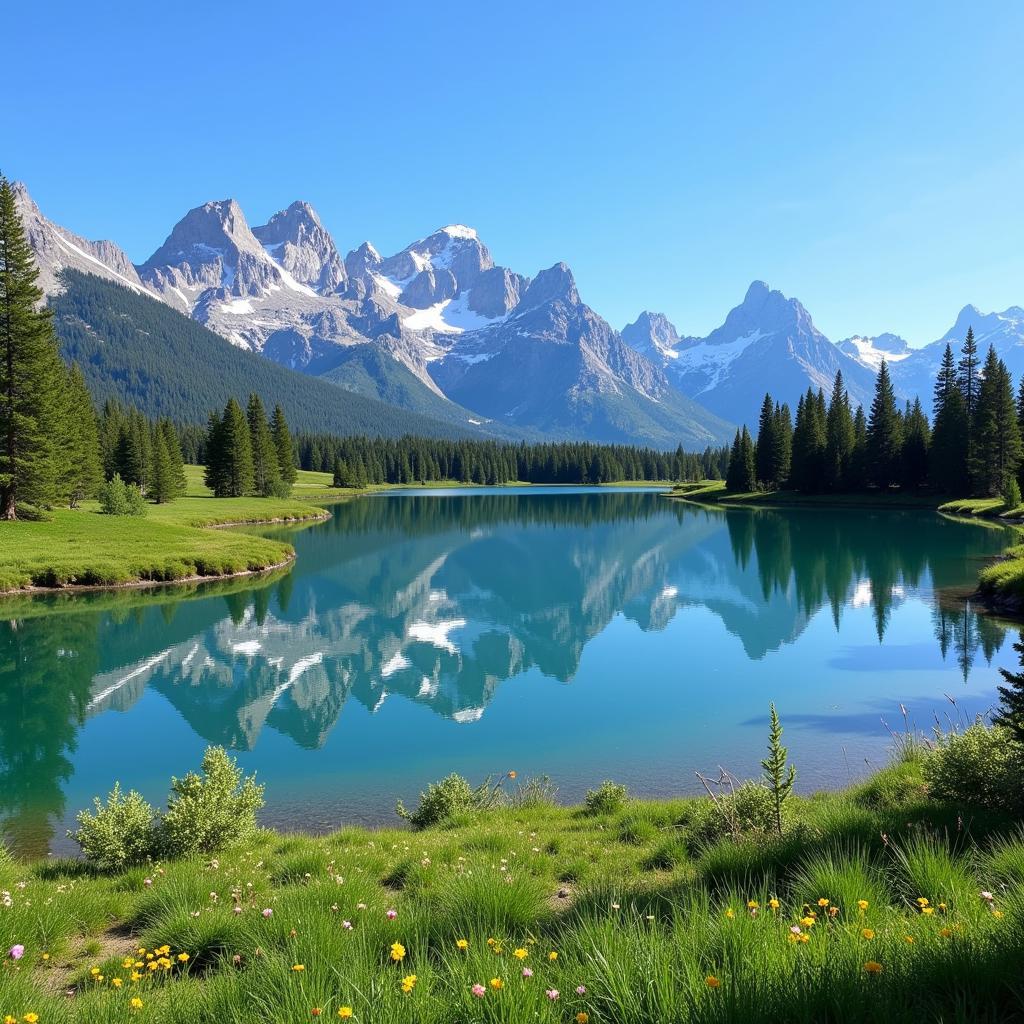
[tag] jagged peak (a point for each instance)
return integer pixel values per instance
(555, 283)
(458, 231)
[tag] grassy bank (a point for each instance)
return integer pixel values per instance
(878, 903)
(82, 547)
(713, 492)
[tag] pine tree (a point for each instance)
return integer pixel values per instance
(996, 450)
(31, 375)
(735, 472)
(213, 475)
(782, 435)
(161, 482)
(285, 448)
(809, 441)
(765, 453)
(858, 472)
(916, 438)
(342, 475)
(885, 434)
(748, 472)
(266, 471)
(779, 777)
(178, 480)
(83, 465)
(838, 437)
(1011, 709)
(969, 385)
(947, 457)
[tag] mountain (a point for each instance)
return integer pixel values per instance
(870, 352)
(581, 379)
(653, 335)
(768, 343)
(141, 351)
(915, 375)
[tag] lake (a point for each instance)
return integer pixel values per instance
(571, 632)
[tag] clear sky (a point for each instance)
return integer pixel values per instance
(867, 158)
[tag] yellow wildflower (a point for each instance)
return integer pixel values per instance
(345, 1012)
(773, 903)
(863, 904)
(868, 933)
(823, 902)
(927, 910)
(135, 976)
(408, 983)
(461, 944)
(752, 904)
(136, 1003)
(997, 914)
(94, 971)
(520, 954)
(873, 967)
(552, 956)
(116, 982)
(922, 901)
(298, 968)
(183, 958)
(711, 981)
(807, 922)
(8, 1019)
(582, 1017)
(908, 939)
(30, 1018)
(496, 983)
(397, 952)
(946, 932)
(729, 914)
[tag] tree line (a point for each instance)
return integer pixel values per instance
(971, 446)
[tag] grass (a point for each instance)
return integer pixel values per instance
(82, 547)
(646, 921)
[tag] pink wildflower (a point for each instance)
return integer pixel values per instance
(479, 991)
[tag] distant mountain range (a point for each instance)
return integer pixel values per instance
(439, 330)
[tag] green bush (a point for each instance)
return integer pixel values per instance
(747, 811)
(118, 833)
(606, 799)
(120, 499)
(451, 799)
(981, 766)
(210, 811)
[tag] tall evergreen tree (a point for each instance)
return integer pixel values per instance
(266, 471)
(970, 386)
(858, 471)
(285, 447)
(916, 438)
(838, 436)
(809, 440)
(782, 436)
(748, 473)
(31, 375)
(83, 463)
(161, 480)
(885, 433)
(229, 471)
(947, 456)
(175, 460)
(1011, 710)
(765, 453)
(996, 450)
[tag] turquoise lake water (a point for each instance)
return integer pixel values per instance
(576, 633)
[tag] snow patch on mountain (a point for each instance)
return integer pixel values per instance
(452, 316)
(715, 360)
(870, 352)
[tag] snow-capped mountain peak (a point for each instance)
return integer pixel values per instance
(296, 239)
(652, 334)
(870, 352)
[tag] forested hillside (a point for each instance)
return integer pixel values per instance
(145, 354)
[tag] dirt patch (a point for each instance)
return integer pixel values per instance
(116, 942)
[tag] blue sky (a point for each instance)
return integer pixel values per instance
(867, 159)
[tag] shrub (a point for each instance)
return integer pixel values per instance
(539, 791)
(210, 811)
(980, 766)
(120, 499)
(450, 799)
(747, 811)
(119, 833)
(606, 799)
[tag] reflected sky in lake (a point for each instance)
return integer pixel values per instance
(579, 634)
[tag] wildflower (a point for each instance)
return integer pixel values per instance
(496, 984)
(773, 903)
(551, 993)
(397, 952)
(298, 968)
(615, 906)
(183, 958)
(712, 982)
(527, 973)
(581, 990)
(346, 926)
(946, 932)
(408, 983)
(463, 945)
(921, 901)
(873, 967)
(807, 922)
(552, 956)
(868, 933)
(520, 954)
(795, 929)
(360, 906)
(16, 952)
(30, 1018)
(908, 939)
(8, 1019)
(942, 908)
(752, 904)
(316, 1011)
(582, 1017)
(997, 914)
(46, 956)
(927, 911)
(987, 896)
(729, 914)
(479, 991)
(236, 910)
(94, 971)
(823, 902)
(135, 976)
(512, 774)
(345, 1012)
(268, 912)
(863, 905)
(391, 914)
(116, 982)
